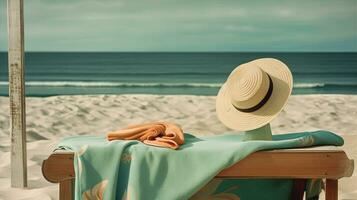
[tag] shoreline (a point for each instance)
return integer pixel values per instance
(142, 94)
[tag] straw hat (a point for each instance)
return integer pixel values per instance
(254, 93)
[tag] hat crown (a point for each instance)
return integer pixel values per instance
(249, 85)
(243, 104)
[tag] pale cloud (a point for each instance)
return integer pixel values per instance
(187, 25)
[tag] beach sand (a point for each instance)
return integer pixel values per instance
(51, 118)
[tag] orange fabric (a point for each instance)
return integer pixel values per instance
(161, 134)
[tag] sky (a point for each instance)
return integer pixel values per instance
(187, 25)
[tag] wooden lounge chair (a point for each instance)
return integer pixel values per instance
(297, 164)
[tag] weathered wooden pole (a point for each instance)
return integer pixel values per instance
(15, 14)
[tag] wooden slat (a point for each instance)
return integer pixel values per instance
(17, 93)
(295, 164)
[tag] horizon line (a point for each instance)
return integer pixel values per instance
(186, 51)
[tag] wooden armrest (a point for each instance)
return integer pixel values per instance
(58, 167)
(294, 163)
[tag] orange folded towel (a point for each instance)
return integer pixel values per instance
(161, 134)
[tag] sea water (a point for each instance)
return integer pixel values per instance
(69, 73)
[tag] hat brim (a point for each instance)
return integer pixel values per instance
(243, 121)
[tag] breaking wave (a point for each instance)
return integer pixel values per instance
(120, 84)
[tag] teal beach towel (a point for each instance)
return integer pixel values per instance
(132, 170)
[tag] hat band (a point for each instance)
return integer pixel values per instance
(262, 102)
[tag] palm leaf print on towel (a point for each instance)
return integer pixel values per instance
(207, 192)
(97, 192)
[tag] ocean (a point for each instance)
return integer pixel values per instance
(70, 73)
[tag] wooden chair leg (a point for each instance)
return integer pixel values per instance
(331, 189)
(66, 189)
(298, 189)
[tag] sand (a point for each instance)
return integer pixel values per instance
(51, 118)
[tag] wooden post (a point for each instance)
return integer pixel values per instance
(17, 93)
(66, 189)
(298, 189)
(331, 189)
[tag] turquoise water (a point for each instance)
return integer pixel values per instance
(172, 73)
